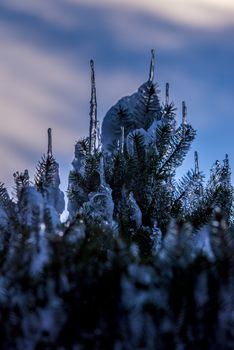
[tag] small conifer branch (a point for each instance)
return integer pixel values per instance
(226, 161)
(152, 64)
(226, 172)
(93, 112)
(47, 167)
(217, 165)
(49, 152)
(5, 200)
(21, 182)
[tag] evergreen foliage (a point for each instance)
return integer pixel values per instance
(144, 260)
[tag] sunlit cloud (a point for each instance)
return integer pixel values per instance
(47, 10)
(198, 13)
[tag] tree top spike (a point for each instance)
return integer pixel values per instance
(167, 93)
(93, 111)
(49, 152)
(196, 163)
(152, 63)
(184, 113)
(226, 160)
(93, 85)
(92, 72)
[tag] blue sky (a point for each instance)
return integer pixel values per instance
(46, 46)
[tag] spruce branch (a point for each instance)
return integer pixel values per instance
(47, 168)
(177, 149)
(46, 171)
(5, 201)
(21, 182)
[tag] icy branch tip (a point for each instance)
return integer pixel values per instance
(93, 129)
(92, 73)
(49, 142)
(184, 113)
(122, 139)
(226, 160)
(93, 79)
(151, 73)
(167, 93)
(196, 163)
(91, 64)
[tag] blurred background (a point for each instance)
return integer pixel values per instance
(45, 50)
